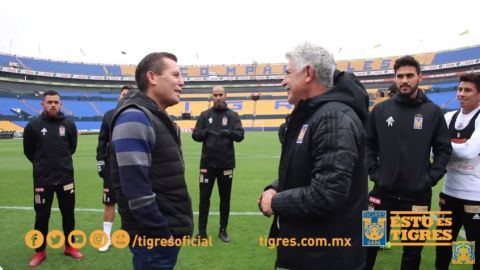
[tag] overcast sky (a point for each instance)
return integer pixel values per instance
(232, 32)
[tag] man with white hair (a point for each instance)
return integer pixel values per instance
(322, 182)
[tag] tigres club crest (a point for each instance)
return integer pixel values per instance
(463, 252)
(374, 228)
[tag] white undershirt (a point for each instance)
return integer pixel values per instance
(463, 170)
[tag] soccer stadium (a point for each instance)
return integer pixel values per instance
(254, 91)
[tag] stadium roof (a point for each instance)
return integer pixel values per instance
(229, 32)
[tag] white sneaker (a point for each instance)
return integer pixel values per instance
(105, 248)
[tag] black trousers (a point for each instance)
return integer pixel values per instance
(43, 198)
(224, 177)
(411, 255)
(460, 217)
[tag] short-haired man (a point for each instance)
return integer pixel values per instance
(103, 164)
(217, 127)
(148, 172)
(461, 190)
(49, 142)
(402, 132)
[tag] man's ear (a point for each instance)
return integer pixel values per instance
(310, 74)
(151, 77)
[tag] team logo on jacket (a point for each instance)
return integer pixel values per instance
(61, 131)
(374, 224)
(463, 252)
(224, 121)
(417, 121)
(302, 134)
(390, 121)
(210, 120)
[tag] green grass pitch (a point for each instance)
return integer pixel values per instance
(257, 162)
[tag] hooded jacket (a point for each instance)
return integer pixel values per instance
(322, 186)
(49, 144)
(402, 133)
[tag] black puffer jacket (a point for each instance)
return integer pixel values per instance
(402, 133)
(49, 144)
(322, 186)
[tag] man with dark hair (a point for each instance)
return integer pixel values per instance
(322, 179)
(148, 172)
(461, 190)
(49, 142)
(217, 127)
(103, 162)
(402, 132)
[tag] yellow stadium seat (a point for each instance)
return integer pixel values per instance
(9, 126)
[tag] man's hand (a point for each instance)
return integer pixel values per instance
(265, 202)
(101, 168)
(224, 132)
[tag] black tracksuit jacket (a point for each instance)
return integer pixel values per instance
(49, 144)
(217, 149)
(402, 133)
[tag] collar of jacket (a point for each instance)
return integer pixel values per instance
(404, 100)
(220, 109)
(347, 89)
(139, 98)
(60, 116)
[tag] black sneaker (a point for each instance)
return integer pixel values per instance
(199, 237)
(224, 235)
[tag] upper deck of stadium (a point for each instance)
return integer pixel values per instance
(362, 67)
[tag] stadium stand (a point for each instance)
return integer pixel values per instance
(456, 55)
(78, 108)
(30, 63)
(446, 100)
(22, 124)
(127, 70)
(104, 106)
(71, 68)
(8, 106)
(9, 126)
(87, 98)
(254, 69)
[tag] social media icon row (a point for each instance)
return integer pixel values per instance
(76, 239)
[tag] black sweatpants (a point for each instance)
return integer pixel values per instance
(462, 215)
(224, 177)
(411, 255)
(42, 200)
